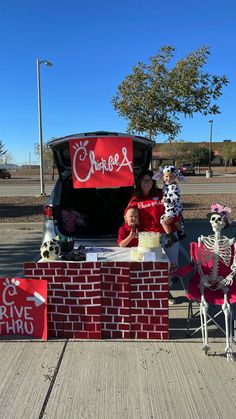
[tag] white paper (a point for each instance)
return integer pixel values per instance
(149, 257)
(91, 257)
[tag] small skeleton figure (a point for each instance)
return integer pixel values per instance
(220, 254)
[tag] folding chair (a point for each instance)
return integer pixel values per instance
(212, 296)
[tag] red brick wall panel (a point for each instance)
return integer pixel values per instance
(115, 291)
(146, 293)
(109, 300)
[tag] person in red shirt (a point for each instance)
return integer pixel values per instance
(128, 232)
(147, 198)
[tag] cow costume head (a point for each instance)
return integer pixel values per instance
(171, 170)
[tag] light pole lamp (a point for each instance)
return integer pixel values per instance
(49, 64)
(210, 144)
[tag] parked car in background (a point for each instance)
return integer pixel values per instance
(5, 174)
(187, 169)
(101, 209)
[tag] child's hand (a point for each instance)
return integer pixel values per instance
(168, 220)
(133, 233)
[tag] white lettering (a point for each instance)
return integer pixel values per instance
(102, 165)
(11, 290)
(13, 311)
(18, 312)
(29, 331)
(147, 204)
(10, 327)
(26, 314)
(3, 311)
(17, 326)
(125, 161)
(14, 319)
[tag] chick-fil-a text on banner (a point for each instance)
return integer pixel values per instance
(100, 162)
(23, 307)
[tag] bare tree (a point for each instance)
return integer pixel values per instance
(2, 152)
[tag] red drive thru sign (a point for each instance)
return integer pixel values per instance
(102, 162)
(23, 307)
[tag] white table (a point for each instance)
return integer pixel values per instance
(117, 254)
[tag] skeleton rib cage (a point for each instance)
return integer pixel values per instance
(222, 248)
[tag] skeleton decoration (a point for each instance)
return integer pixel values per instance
(220, 251)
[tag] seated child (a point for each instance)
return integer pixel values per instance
(172, 203)
(128, 232)
(71, 219)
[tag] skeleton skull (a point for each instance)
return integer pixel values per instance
(217, 222)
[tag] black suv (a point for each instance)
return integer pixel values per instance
(4, 173)
(102, 207)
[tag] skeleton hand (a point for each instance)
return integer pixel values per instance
(227, 281)
(205, 281)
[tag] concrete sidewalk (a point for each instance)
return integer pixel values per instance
(115, 380)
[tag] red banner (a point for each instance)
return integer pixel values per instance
(23, 307)
(102, 162)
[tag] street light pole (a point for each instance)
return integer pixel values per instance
(42, 185)
(210, 144)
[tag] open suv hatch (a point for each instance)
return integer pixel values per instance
(103, 207)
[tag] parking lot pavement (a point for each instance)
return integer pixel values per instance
(23, 190)
(19, 243)
(12, 188)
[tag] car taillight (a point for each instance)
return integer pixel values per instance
(48, 212)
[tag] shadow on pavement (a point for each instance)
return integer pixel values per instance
(13, 256)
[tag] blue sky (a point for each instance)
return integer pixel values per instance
(93, 46)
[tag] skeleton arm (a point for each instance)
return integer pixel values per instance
(228, 280)
(203, 278)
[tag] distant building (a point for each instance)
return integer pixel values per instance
(162, 153)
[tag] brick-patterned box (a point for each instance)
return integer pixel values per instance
(105, 300)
